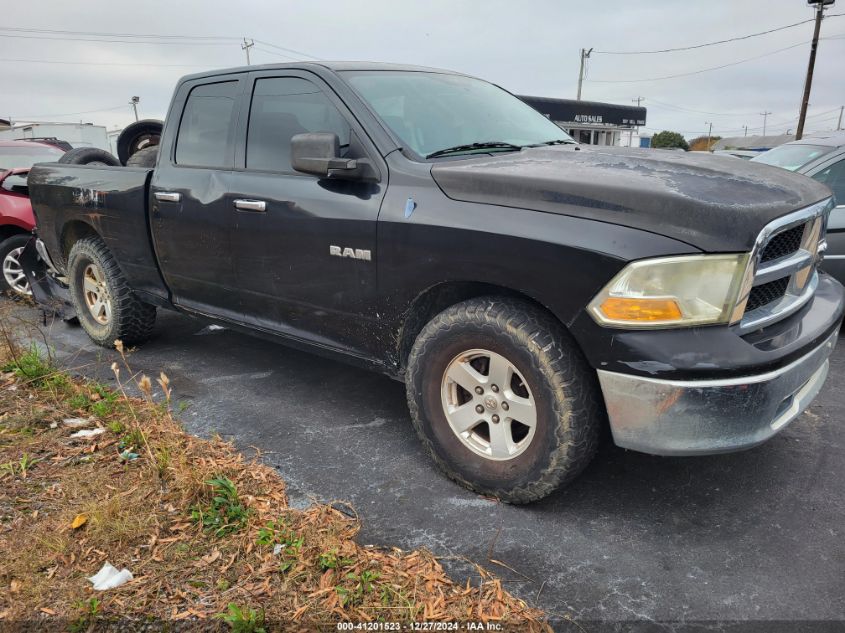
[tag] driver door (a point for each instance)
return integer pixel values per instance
(289, 227)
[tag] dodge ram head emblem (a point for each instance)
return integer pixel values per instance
(354, 253)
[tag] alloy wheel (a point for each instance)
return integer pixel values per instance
(488, 404)
(13, 272)
(96, 293)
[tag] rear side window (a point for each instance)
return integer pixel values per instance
(281, 108)
(834, 177)
(205, 133)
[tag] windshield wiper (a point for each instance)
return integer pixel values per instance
(557, 141)
(471, 146)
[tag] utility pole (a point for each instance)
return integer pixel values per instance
(134, 103)
(585, 54)
(631, 132)
(808, 82)
(745, 127)
(765, 116)
(709, 133)
(839, 124)
(246, 46)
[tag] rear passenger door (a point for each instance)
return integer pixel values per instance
(288, 224)
(191, 218)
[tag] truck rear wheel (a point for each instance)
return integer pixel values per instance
(502, 399)
(107, 308)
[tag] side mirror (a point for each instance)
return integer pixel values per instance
(318, 154)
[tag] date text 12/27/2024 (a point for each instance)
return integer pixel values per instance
(421, 626)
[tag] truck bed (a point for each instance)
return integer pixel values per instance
(113, 201)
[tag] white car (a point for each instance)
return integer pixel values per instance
(821, 158)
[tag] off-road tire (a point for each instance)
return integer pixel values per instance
(144, 157)
(89, 156)
(565, 388)
(132, 321)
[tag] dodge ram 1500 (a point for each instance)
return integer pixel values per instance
(529, 291)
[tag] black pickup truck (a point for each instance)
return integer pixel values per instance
(530, 292)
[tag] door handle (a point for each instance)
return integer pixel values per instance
(168, 196)
(251, 205)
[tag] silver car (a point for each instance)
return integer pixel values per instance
(821, 157)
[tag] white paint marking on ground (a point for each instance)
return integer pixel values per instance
(256, 375)
(210, 329)
(368, 425)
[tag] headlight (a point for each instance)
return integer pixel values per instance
(672, 292)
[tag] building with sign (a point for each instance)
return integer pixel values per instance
(592, 122)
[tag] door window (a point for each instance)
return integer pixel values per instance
(834, 177)
(281, 108)
(205, 132)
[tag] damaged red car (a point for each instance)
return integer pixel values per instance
(16, 219)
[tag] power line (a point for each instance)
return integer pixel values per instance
(697, 72)
(661, 105)
(683, 109)
(54, 61)
(110, 41)
(282, 55)
(200, 39)
(105, 34)
(47, 116)
(732, 39)
(289, 50)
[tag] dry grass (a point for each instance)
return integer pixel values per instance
(154, 514)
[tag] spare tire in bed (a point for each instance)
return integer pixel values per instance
(89, 156)
(144, 157)
(138, 135)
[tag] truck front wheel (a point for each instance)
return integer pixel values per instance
(107, 308)
(502, 399)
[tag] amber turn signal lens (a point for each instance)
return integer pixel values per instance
(641, 309)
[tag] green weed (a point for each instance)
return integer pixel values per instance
(330, 560)
(20, 467)
(79, 401)
(242, 620)
(89, 610)
(226, 514)
(363, 585)
(277, 533)
(30, 365)
(134, 439)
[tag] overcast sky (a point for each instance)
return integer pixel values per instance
(527, 46)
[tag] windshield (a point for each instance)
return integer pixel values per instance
(431, 112)
(27, 155)
(792, 156)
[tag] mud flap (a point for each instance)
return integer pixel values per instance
(48, 292)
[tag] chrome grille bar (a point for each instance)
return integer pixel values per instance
(799, 267)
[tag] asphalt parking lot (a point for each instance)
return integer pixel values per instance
(758, 535)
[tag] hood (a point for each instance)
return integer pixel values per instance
(717, 204)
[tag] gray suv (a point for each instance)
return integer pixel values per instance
(821, 157)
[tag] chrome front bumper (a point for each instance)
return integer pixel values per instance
(668, 417)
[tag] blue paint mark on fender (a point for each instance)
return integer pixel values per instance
(410, 205)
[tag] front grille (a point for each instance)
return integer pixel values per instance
(783, 244)
(767, 293)
(783, 266)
